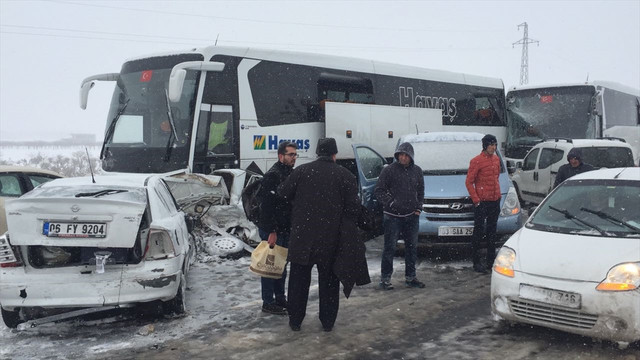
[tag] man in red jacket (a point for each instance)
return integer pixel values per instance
(484, 188)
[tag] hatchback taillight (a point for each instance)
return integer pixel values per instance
(9, 255)
(159, 245)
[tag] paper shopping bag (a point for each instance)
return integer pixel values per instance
(268, 262)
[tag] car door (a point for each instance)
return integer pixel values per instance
(546, 177)
(528, 176)
(369, 165)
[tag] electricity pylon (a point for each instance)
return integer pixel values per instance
(524, 64)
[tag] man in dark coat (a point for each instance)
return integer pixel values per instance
(400, 189)
(274, 223)
(322, 193)
(574, 167)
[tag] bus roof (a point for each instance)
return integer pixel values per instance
(597, 83)
(342, 63)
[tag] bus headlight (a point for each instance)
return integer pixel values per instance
(511, 205)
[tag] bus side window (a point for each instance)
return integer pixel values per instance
(342, 88)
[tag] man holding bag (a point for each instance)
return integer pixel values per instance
(274, 224)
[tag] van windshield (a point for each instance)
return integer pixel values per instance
(446, 157)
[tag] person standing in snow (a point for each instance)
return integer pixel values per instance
(322, 193)
(274, 223)
(400, 189)
(484, 188)
(574, 167)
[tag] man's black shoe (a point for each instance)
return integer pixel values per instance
(282, 302)
(415, 283)
(274, 309)
(294, 327)
(479, 269)
(327, 329)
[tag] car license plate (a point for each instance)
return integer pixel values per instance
(455, 230)
(550, 296)
(74, 230)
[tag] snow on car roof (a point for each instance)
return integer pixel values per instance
(126, 180)
(611, 142)
(630, 173)
(442, 136)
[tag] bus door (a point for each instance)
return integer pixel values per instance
(215, 139)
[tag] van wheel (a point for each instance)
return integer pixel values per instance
(177, 305)
(11, 318)
(519, 196)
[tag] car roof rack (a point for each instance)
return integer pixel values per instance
(556, 139)
(613, 138)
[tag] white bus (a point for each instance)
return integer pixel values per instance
(575, 111)
(223, 107)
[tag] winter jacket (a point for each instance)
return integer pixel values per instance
(566, 171)
(275, 212)
(322, 193)
(400, 189)
(482, 178)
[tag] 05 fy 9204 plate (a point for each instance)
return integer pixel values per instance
(550, 296)
(74, 230)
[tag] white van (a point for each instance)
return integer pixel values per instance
(535, 176)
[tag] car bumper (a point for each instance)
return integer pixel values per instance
(612, 316)
(83, 287)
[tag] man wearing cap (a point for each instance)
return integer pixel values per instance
(574, 167)
(274, 223)
(322, 193)
(400, 189)
(484, 188)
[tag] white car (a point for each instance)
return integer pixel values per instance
(535, 176)
(73, 243)
(575, 265)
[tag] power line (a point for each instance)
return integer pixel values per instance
(524, 61)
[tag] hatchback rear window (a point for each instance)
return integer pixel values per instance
(610, 157)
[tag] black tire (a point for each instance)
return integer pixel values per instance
(177, 305)
(11, 318)
(522, 204)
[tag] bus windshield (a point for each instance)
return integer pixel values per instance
(535, 114)
(142, 134)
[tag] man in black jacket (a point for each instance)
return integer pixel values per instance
(574, 167)
(322, 194)
(274, 223)
(400, 189)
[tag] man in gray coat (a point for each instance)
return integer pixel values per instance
(322, 194)
(400, 189)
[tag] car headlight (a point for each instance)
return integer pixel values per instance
(621, 277)
(511, 205)
(504, 261)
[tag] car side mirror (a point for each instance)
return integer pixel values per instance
(518, 165)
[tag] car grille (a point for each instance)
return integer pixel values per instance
(552, 314)
(448, 206)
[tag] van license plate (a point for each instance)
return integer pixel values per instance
(550, 296)
(455, 230)
(74, 230)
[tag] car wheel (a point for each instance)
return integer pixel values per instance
(11, 318)
(519, 196)
(177, 305)
(224, 246)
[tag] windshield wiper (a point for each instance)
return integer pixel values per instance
(167, 152)
(112, 128)
(100, 193)
(569, 215)
(613, 219)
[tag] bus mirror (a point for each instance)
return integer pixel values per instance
(176, 81)
(88, 83)
(84, 94)
(179, 73)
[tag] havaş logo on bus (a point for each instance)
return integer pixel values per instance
(270, 142)
(410, 99)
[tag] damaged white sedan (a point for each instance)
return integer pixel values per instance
(76, 244)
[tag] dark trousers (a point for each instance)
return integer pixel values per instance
(273, 289)
(485, 221)
(298, 291)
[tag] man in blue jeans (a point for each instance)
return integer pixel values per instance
(400, 189)
(274, 223)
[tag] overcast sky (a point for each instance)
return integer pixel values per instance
(48, 47)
